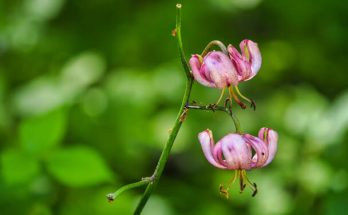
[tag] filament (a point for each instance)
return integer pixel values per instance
(232, 180)
(235, 97)
(241, 181)
(252, 185)
(221, 95)
(224, 191)
(252, 103)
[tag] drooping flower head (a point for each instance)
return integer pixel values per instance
(228, 68)
(214, 70)
(249, 62)
(240, 152)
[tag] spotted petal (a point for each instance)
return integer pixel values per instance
(236, 152)
(260, 148)
(270, 137)
(220, 69)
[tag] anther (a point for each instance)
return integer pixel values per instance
(252, 103)
(241, 181)
(224, 191)
(255, 190)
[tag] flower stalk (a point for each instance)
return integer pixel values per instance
(215, 43)
(178, 122)
(227, 109)
(112, 196)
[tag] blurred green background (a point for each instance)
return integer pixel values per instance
(89, 89)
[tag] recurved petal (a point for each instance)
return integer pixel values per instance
(236, 152)
(207, 143)
(251, 52)
(270, 137)
(221, 69)
(217, 153)
(242, 65)
(260, 148)
(195, 64)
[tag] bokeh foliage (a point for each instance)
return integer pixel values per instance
(89, 89)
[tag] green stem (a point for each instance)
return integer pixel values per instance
(113, 196)
(177, 125)
(236, 122)
(179, 41)
(219, 108)
(215, 43)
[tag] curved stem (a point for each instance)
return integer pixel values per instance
(215, 43)
(177, 125)
(113, 196)
(236, 122)
(219, 108)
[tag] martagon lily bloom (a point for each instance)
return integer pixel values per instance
(226, 70)
(240, 152)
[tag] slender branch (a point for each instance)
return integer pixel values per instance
(178, 122)
(112, 196)
(215, 43)
(179, 41)
(219, 108)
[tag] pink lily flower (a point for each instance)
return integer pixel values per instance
(249, 62)
(240, 152)
(214, 70)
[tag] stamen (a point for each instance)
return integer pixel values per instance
(255, 191)
(235, 97)
(221, 95)
(236, 173)
(224, 191)
(241, 181)
(252, 185)
(252, 103)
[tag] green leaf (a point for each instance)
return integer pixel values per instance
(78, 166)
(18, 167)
(40, 133)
